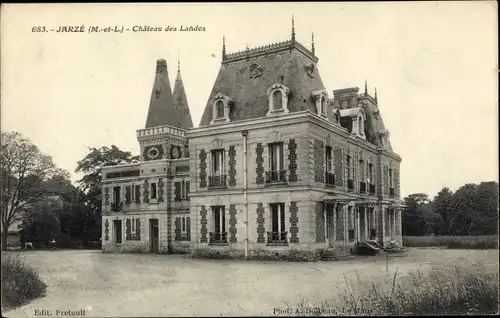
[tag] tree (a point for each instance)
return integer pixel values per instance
(442, 206)
(90, 184)
(413, 221)
(24, 169)
(485, 214)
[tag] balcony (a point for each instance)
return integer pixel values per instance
(373, 234)
(391, 192)
(372, 189)
(217, 181)
(116, 207)
(277, 238)
(329, 179)
(362, 187)
(276, 176)
(218, 238)
(350, 185)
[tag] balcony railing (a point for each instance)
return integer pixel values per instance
(218, 237)
(217, 181)
(362, 187)
(350, 184)
(116, 207)
(275, 176)
(372, 189)
(391, 192)
(277, 238)
(329, 178)
(350, 235)
(373, 234)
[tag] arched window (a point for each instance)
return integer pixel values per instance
(361, 128)
(277, 99)
(323, 105)
(220, 109)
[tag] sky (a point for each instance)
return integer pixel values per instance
(434, 65)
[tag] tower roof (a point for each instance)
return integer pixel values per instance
(182, 116)
(246, 76)
(161, 103)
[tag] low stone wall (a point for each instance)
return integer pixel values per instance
(291, 255)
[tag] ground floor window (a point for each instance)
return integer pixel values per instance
(218, 234)
(278, 233)
(182, 228)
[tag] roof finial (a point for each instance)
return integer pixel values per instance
(223, 46)
(178, 61)
(312, 46)
(376, 99)
(366, 87)
(293, 29)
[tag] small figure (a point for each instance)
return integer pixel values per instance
(53, 244)
(28, 244)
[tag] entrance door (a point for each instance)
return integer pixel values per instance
(153, 236)
(330, 224)
(118, 231)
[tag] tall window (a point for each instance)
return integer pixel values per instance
(153, 190)
(181, 190)
(132, 223)
(219, 219)
(362, 175)
(390, 179)
(220, 109)
(277, 99)
(128, 195)
(276, 156)
(278, 222)
(116, 195)
(218, 162)
(329, 159)
(322, 106)
(348, 161)
(370, 173)
(137, 193)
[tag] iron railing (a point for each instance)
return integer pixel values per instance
(275, 176)
(217, 181)
(329, 178)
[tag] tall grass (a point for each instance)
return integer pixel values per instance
(20, 282)
(460, 242)
(449, 291)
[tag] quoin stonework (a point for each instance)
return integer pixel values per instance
(276, 163)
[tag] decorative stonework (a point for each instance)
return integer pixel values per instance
(320, 223)
(177, 229)
(106, 230)
(106, 196)
(128, 230)
(146, 192)
(203, 214)
(311, 70)
(232, 223)
(386, 180)
(260, 224)
(160, 190)
(232, 166)
(138, 229)
(188, 228)
(294, 220)
(153, 152)
(319, 159)
(396, 182)
(259, 160)
(255, 70)
(175, 152)
(339, 174)
(292, 158)
(203, 168)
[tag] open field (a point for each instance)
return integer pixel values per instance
(176, 285)
(460, 242)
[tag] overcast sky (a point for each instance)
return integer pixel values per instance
(434, 65)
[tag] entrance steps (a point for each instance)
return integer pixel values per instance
(331, 254)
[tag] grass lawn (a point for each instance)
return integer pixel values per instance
(176, 285)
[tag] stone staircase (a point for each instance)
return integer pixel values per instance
(335, 255)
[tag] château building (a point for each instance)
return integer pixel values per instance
(276, 163)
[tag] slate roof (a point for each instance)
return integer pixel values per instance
(180, 105)
(287, 61)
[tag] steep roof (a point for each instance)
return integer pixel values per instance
(181, 108)
(246, 76)
(161, 103)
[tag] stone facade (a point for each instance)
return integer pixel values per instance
(275, 165)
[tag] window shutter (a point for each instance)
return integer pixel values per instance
(396, 182)
(339, 172)
(177, 191)
(187, 189)
(138, 229)
(260, 164)
(177, 228)
(188, 228)
(128, 229)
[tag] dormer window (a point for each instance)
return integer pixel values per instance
(278, 99)
(320, 97)
(221, 108)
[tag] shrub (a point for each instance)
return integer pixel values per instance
(291, 255)
(469, 242)
(20, 282)
(454, 291)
